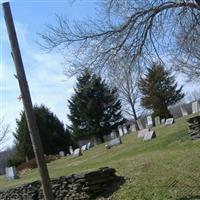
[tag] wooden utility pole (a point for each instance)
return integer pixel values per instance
(28, 108)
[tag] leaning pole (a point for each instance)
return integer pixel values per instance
(27, 103)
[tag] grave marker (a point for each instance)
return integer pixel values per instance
(125, 129)
(11, 173)
(169, 121)
(114, 142)
(140, 124)
(149, 121)
(62, 153)
(195, 107)
(162, 121)
(183, 110)
(71, 150)
(77, 152)
(149, 135)
(133, 128)
(120, 131)
(84, 148)
(141, 133)
(157, 120)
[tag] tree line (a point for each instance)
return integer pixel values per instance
(95, 110)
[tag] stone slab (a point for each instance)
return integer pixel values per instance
(169, 121)
(142, 133)
(149, 121)
(11, 173)
(114, 142)
(62, 153)
(149, 135)
(157, 121)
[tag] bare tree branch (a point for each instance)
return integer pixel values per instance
(141, 30)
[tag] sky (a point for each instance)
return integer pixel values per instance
(47, 83)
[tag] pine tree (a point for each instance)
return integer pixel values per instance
(94, 108)
(53, 135)
(159, 90)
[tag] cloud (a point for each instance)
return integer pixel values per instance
(47, 83)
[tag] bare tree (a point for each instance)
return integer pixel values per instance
(141, 30)
(125, 79)
(4, 130)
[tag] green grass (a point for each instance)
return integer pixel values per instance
(167, 167)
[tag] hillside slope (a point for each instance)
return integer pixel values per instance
(167, 167)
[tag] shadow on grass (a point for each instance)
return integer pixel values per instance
(190, 198)
(113, 187)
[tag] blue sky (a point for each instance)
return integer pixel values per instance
(48, 85)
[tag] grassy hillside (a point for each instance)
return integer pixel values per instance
(167, 167)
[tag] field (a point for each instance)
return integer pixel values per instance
(167, 167)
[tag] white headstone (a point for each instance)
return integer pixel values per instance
(113, 142)
(195, 107)
(125, 129)
(149, 121)
(183, 110)
(71, 150)
(120, 131)
(140, 124)
(149, 135)
(157, 120)
(162, 121)
(11, 173)
(113, 135)
(84, 148)
(142, 133)
(169, 121)
(77, 152)
(133, 128)
(88, 145)
(62, 153)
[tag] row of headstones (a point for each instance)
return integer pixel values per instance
(11, 172)
(77, 151)
(168, 121)
(195, 108)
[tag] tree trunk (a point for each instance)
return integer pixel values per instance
(134, 115)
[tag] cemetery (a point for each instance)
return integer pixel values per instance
(131, 129)
(131, 157)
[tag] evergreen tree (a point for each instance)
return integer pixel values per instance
(159, 90)
(54, 137)
(94, 108)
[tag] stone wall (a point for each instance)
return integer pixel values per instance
(194, 127)
(81, 186)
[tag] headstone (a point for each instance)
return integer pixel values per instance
(140, 124)
(77, 152)
(114, 142)
(120, 131)
(149, 121)
(183, 110)
(157, 120)
(84, 148)
(71, 150)
(88, 145)
(149, 135)
(11, 173)
(141, 133)
(62, 153)
(169, 121)
(133, 128)
(125, 129)
(195, 107)
(113, 135)
(162, 121)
